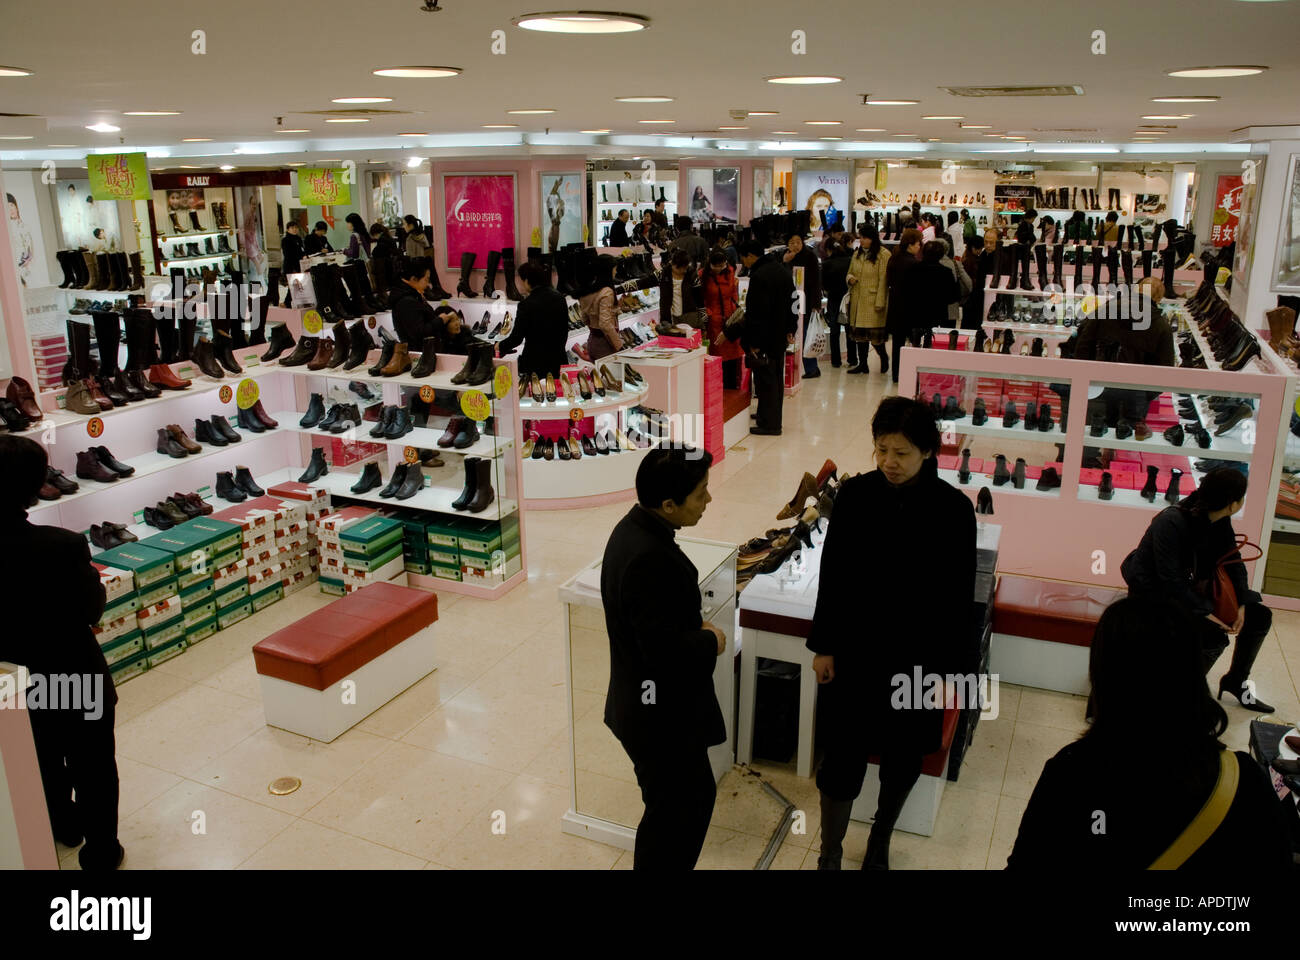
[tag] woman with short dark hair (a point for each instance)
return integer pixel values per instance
(541, 324)
(910, 516)
(359, 240)
(1105, 804)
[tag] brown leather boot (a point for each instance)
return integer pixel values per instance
(400, 363)
(78, 400)
(97, 394)
(183, 438)
(1281, 327)
(324, 351)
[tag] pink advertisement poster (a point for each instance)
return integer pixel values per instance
(479, 214)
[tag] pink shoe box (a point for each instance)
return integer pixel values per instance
(1091, 478)
(117, 583)
(317, 498)
(949, 462)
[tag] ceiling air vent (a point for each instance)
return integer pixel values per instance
(1062, 90)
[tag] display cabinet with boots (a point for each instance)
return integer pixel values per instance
(490, 275)
(360, 344)
(463, 288)
(342, 345)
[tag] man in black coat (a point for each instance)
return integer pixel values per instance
(618, 231)
(318, 241)
(47, 573)
(291, 252)
(771, 320)
(661, 703)
(541, 324)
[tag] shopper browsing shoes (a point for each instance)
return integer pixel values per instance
(318, 241)
(679, 291)
(541, 324)
(721, 296)
(1179, 556)
(600, 311)
(770, 323)
(661, 704)
(1101, 806)
(74, 745)
(903, 505)
(797, 254)
(868, 296)
(413, 319)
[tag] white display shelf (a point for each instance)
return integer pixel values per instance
(1130, 498)
(632, 203)
(994, 428)
(148, 464)
(650, 315)
(1037, 329)
(1156, 443)
(425, 438)
(978, 480)
(1036, 291)
(193, 235)
(439, 379)
(207, 257)
(199, 385)
(1255, 365)
(432, 499)
(1281, 525)
(560, 409)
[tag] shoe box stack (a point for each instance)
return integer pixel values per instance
(198, 548)
(442, 548)
(153, 573)
(256, 580)
(715, 416)
(1288, 497)
(1282, 571)
(986, 561)
(489, 550)
(118, 631)
(303, 545)
(359, 546)
(50, 354)
(690, 341)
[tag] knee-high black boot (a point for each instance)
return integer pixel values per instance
(490, 274)
(896, 781)
(1040, 256)
(881, 352)
(835, 824)
(463, 289)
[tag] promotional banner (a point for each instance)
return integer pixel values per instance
(248, 209)
(882, 175)
(714, 193)
(479, 213)
(763, 204)
(1227, 211)
(119, 176)
(386, 197)
(823, 190)
(25, 240)
(323, 186)
(86, 223)
(561, 208)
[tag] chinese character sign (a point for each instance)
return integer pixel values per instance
(1227, 211)
(323, 186)
(119, 176)
(479, 213)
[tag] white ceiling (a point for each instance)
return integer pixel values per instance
(268, 60)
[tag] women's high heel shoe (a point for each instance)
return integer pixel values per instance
(1249, 701)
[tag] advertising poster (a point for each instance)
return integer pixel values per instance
(479, 214)
(763, 192)
(119, 176)
(386, 197)
(248, 208)
(823, 190)
(323, 186)
(80, 217)
(714, 194)
(561, 209)
(25, 241)
(1227, 210)
(186, 200)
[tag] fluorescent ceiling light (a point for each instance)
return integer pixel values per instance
(17, 138)
(362, 100)
(763, 113)
(416, 72)
(656, 121)
(1185, 99)
(296, 163)
(1235, 71)
(298, 130)
(788, 133)
(197, 140)
(644, 99)
(892, 103)
(823, 123)
(830, 138)
(870, 130)
(602, 130)
(500, 126)
(103, 128)
(977, 126)
(902, 134)
(415, 161)
(227, 167)
(14, 72)
(413, 134)
(151, 113)
(1079, 148)
(733, 128)
(800, 81)
(62, 144)
(936, 117)
(1168, 116)
(530, 112)
(347, 120)
(582, 21)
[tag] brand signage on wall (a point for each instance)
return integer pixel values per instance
(1227, 211)
(479, 214)
(119, 176)
(323, 186)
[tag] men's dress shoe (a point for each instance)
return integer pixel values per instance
(1049, 479)
(1123, 429)
(1243, 412)
(168, 445)
(89, 467)
(171, 511)
(228, 490)
(1149, 490)
(412, 483)
(1009, 416)
(307, 349)
(47, 492)
(316, 468)
(1045, 422)
(162, 375)
(315, 411)
(157, 519)
(1141, 431)
(20, 394)
(183, 438)
(220, 425)
(112, 463)
(59, 481)
(399, 363)
(395, 481)
(979, 415)
(1098, 427)
(1175, 435)
(1000, 472)
(1106, 489)
(369, 479)
(324, 351)
(184, 506)
(103, 538)
(202, 506)
(244, 480)
(1018, 475)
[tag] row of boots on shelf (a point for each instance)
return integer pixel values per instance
(407, 479)
(83, 270)
(1232, 344)
(182, 249)
(219, 218)
(176, 509)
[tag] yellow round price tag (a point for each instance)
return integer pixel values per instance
(576, 414)
(246, 394)
(426, 393)
(411, 455)
(475, 405)
(503, 382)
(312, 323)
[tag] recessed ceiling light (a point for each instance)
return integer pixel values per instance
(103, 128)
(789, 133)
(1185, 99)
(644, 99)
(582, 21)
(1015, 138)
(188, 166)
(500, 126)
(903, 134)
(347, 120)
(977, 126)
(529, 112)
(1151, 133)
(196, 140)
(932, 140)
(62, 144)
(1168, 116)
(297, 130)
(764, 113)
(296, 163)
(938, 117)
(830, 138)
(17, 138)
(656, 121)
(733, 128)
(227, 167)
(415, 161)
(1216, 72)
(14, 72)
(362, 100)
(822, 123)
(871, 130)
(602, 130)
(798, 81)
(993, 134)
(892, 103)
(416, 72)
(151, 113)
(413, 134)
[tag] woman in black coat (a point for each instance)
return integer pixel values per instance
(1105, 804)
(901, 311)
(935, 287)
(835, 272)
(541, 324)
(902, 534)
(413, 318)
(799, 254)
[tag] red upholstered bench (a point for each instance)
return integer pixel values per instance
(331, 669)
(1042, 630)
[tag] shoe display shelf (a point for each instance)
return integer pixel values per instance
(168, 262)
(1080, 523)
(649, 316)
(1182, 320)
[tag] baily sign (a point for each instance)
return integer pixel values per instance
(325, 187)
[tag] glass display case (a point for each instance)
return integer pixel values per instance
(1286, 266)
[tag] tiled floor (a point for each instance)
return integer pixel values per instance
(469, 768)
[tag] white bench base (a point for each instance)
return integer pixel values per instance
(919, 813)
(324, 715)
(1045, 664)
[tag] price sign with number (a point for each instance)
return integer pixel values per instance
(503, 382)
(246, 395)
(576, 414)
(411, 455)
(225, 394)
(312, 323)
(426, 393)
(475, 405)
(95, 427)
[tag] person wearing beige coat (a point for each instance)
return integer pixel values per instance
(868, 298)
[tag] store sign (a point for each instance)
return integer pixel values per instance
(198, 181)
(323, 186)
(479, 214)
(226, 394)
(312, 324)
(410, 454)
(882, 175)
(119, 176)
(1227, 211)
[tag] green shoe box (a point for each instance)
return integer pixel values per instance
(482, 537)
(233, 614)
(164, 635)
(226, 559)
(372, 561)
(232, 594)
(446, 573)
(200, 631)
(413, 566)
(199, 592)
(444, 533)
(129, 667)
(267, 597)
(190, 576)
(123, 607)
(217, 537)
(156, 591)
(484, 570)
(442, 558)
(195, 543)
(147, 564)
(333, 587)
(372, 537)
(124, 647)
(164, 653)
(197, 614)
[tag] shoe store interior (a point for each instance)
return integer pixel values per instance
(443, 451)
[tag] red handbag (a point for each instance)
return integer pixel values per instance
(1218, 588)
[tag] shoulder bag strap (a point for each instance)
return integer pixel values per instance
(1207, 821)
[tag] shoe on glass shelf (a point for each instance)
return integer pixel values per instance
(316, 468)
(369, 479)
(244, 480)
(394, 482)
(228, 490)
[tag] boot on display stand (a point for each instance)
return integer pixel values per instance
(342, 345)
(1058, 264)
(1098, 255)
(176, 224)
(471, 484)
(360, 345)
(463, 289)
(281, 340)
(223, 347)
(205, 359)
(1040, 255)
(490, 275)
(194, 220)
(316, 468)
(1149, 491)
(387, 345)
(508, 268)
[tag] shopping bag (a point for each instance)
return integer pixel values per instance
(817, 337)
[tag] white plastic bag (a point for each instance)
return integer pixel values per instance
(817, 336)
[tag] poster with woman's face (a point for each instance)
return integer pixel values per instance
(763, 204)
(186, 200)
(713, 195)
(80, 215)
(25, 241)
(386, 197)
(561, 209)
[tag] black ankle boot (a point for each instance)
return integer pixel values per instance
(1000, 472)
(471, 484)
(385, 355)
(281, 340)
(315, 412)
(963, 472)
(317, 467)
(361, 345)
(1018, 475)
(1149, 490)
(1172, 495)
(370, 478)
(1106, 489)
